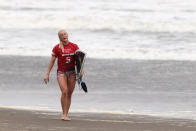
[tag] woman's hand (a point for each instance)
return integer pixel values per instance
(46, 79)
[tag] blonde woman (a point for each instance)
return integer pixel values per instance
(64, 52)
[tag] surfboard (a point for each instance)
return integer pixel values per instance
(79, 59)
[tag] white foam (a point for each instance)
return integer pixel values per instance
(172, 114)
(142, 54)
(25, 52)
(151, 16)
(89, 23)
(99, 111)
(35, 108)
(143, 16)
(139, 54)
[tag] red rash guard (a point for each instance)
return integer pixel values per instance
(66, 58)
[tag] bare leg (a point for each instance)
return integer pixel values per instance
(62, 80)
(71, 86)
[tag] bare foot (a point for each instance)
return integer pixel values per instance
(65, 118)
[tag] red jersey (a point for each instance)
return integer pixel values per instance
(66, 58)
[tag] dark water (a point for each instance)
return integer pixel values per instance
(163, 88)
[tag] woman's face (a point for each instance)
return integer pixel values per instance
(63, 36)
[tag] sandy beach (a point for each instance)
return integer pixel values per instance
(21, 120)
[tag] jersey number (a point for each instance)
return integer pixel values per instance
(68, 59)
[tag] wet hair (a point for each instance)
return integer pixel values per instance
(61, 43)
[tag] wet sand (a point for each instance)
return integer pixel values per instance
(23, 120)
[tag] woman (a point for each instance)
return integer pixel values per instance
(64, 52)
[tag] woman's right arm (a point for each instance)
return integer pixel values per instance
(52, 61)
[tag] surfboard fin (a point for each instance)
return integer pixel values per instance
(84, 87)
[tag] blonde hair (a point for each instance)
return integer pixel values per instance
(61, 46)
(61, 43)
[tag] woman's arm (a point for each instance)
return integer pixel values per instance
(52, 61)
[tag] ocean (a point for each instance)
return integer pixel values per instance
(140, 55)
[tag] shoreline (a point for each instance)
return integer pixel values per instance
(44, 109)
(24, 120)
